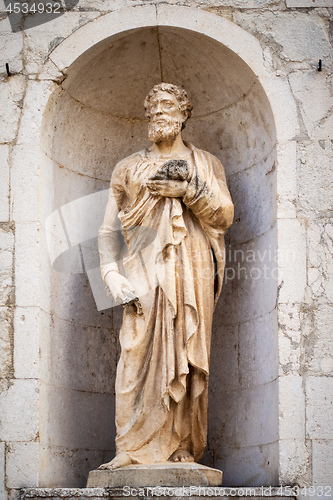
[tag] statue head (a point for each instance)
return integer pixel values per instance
(168, 108)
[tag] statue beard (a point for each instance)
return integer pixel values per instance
(164, 131)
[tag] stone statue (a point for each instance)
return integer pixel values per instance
(176, 196)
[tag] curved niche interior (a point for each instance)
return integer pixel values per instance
(94, 119)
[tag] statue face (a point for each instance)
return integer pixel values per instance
(165, 117)
(164, 105)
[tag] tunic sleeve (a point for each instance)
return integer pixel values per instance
(110, 240)
(207, 194)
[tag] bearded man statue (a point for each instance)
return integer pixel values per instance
(173, 207)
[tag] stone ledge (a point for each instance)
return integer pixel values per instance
(258, 493)
(165, 474)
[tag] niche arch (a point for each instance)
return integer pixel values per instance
(91, 121)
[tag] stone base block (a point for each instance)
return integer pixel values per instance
(168, 474)
(201, 493)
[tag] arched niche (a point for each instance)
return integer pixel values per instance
(94, 119)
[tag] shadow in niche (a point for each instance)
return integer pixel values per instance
(92, 121)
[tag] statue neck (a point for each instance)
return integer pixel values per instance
(170, 149)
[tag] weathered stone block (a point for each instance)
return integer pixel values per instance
(3, 493)
(19, 411)
(302, 36)
(252, 195)
(315, 177)
(261, 465)
(24, 183)
(42, 39)
(85, 38)
(36, 97)
(308, 3)
(294, 461)
(26, 264)
(11, 95)
(6, 342)
(322, 460)
(93, 367)
(11, 48)
(320, 259)
(319, 400)
(289, 338)
(6, 265)
(286, 180)
(4, 184)
(22, 465)
(26, 342)
(291, 407)
(167, 474)
(311, 90)
(251, 269)
(317, 329)
(258, 351)
(74, 419)
(224, 359)
(285, 113)
(61, 467)
(292, 260)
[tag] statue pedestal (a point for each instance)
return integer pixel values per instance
(168, 474)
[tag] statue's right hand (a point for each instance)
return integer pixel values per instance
(120, 288)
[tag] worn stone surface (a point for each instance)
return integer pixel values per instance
(19, 410)
(315, 160)
(6, 265)
(26, 342)
(4, 186)
(287, 37)
(286, 180)
(11, 49)
(294, 463)
(320, 255)
(323, 463)
(6, 342)
(26, 264)
(42, 39)
(292, 260)
(3, 492)
(12, 93)
(316, 323)
(290, 345)
(292, 408)
(319, 395)
(24, 183)
(155, 475)
(36, 96)
(77, 420)
(22, 465)
(313, 94)
(68, 466)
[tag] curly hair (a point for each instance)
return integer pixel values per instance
(179, 93)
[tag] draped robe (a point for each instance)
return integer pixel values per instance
(174, 258)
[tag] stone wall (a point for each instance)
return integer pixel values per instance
(49, 321)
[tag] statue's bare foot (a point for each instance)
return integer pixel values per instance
(181, 456)
(120, 460)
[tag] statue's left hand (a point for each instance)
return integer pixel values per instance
(167, 188)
